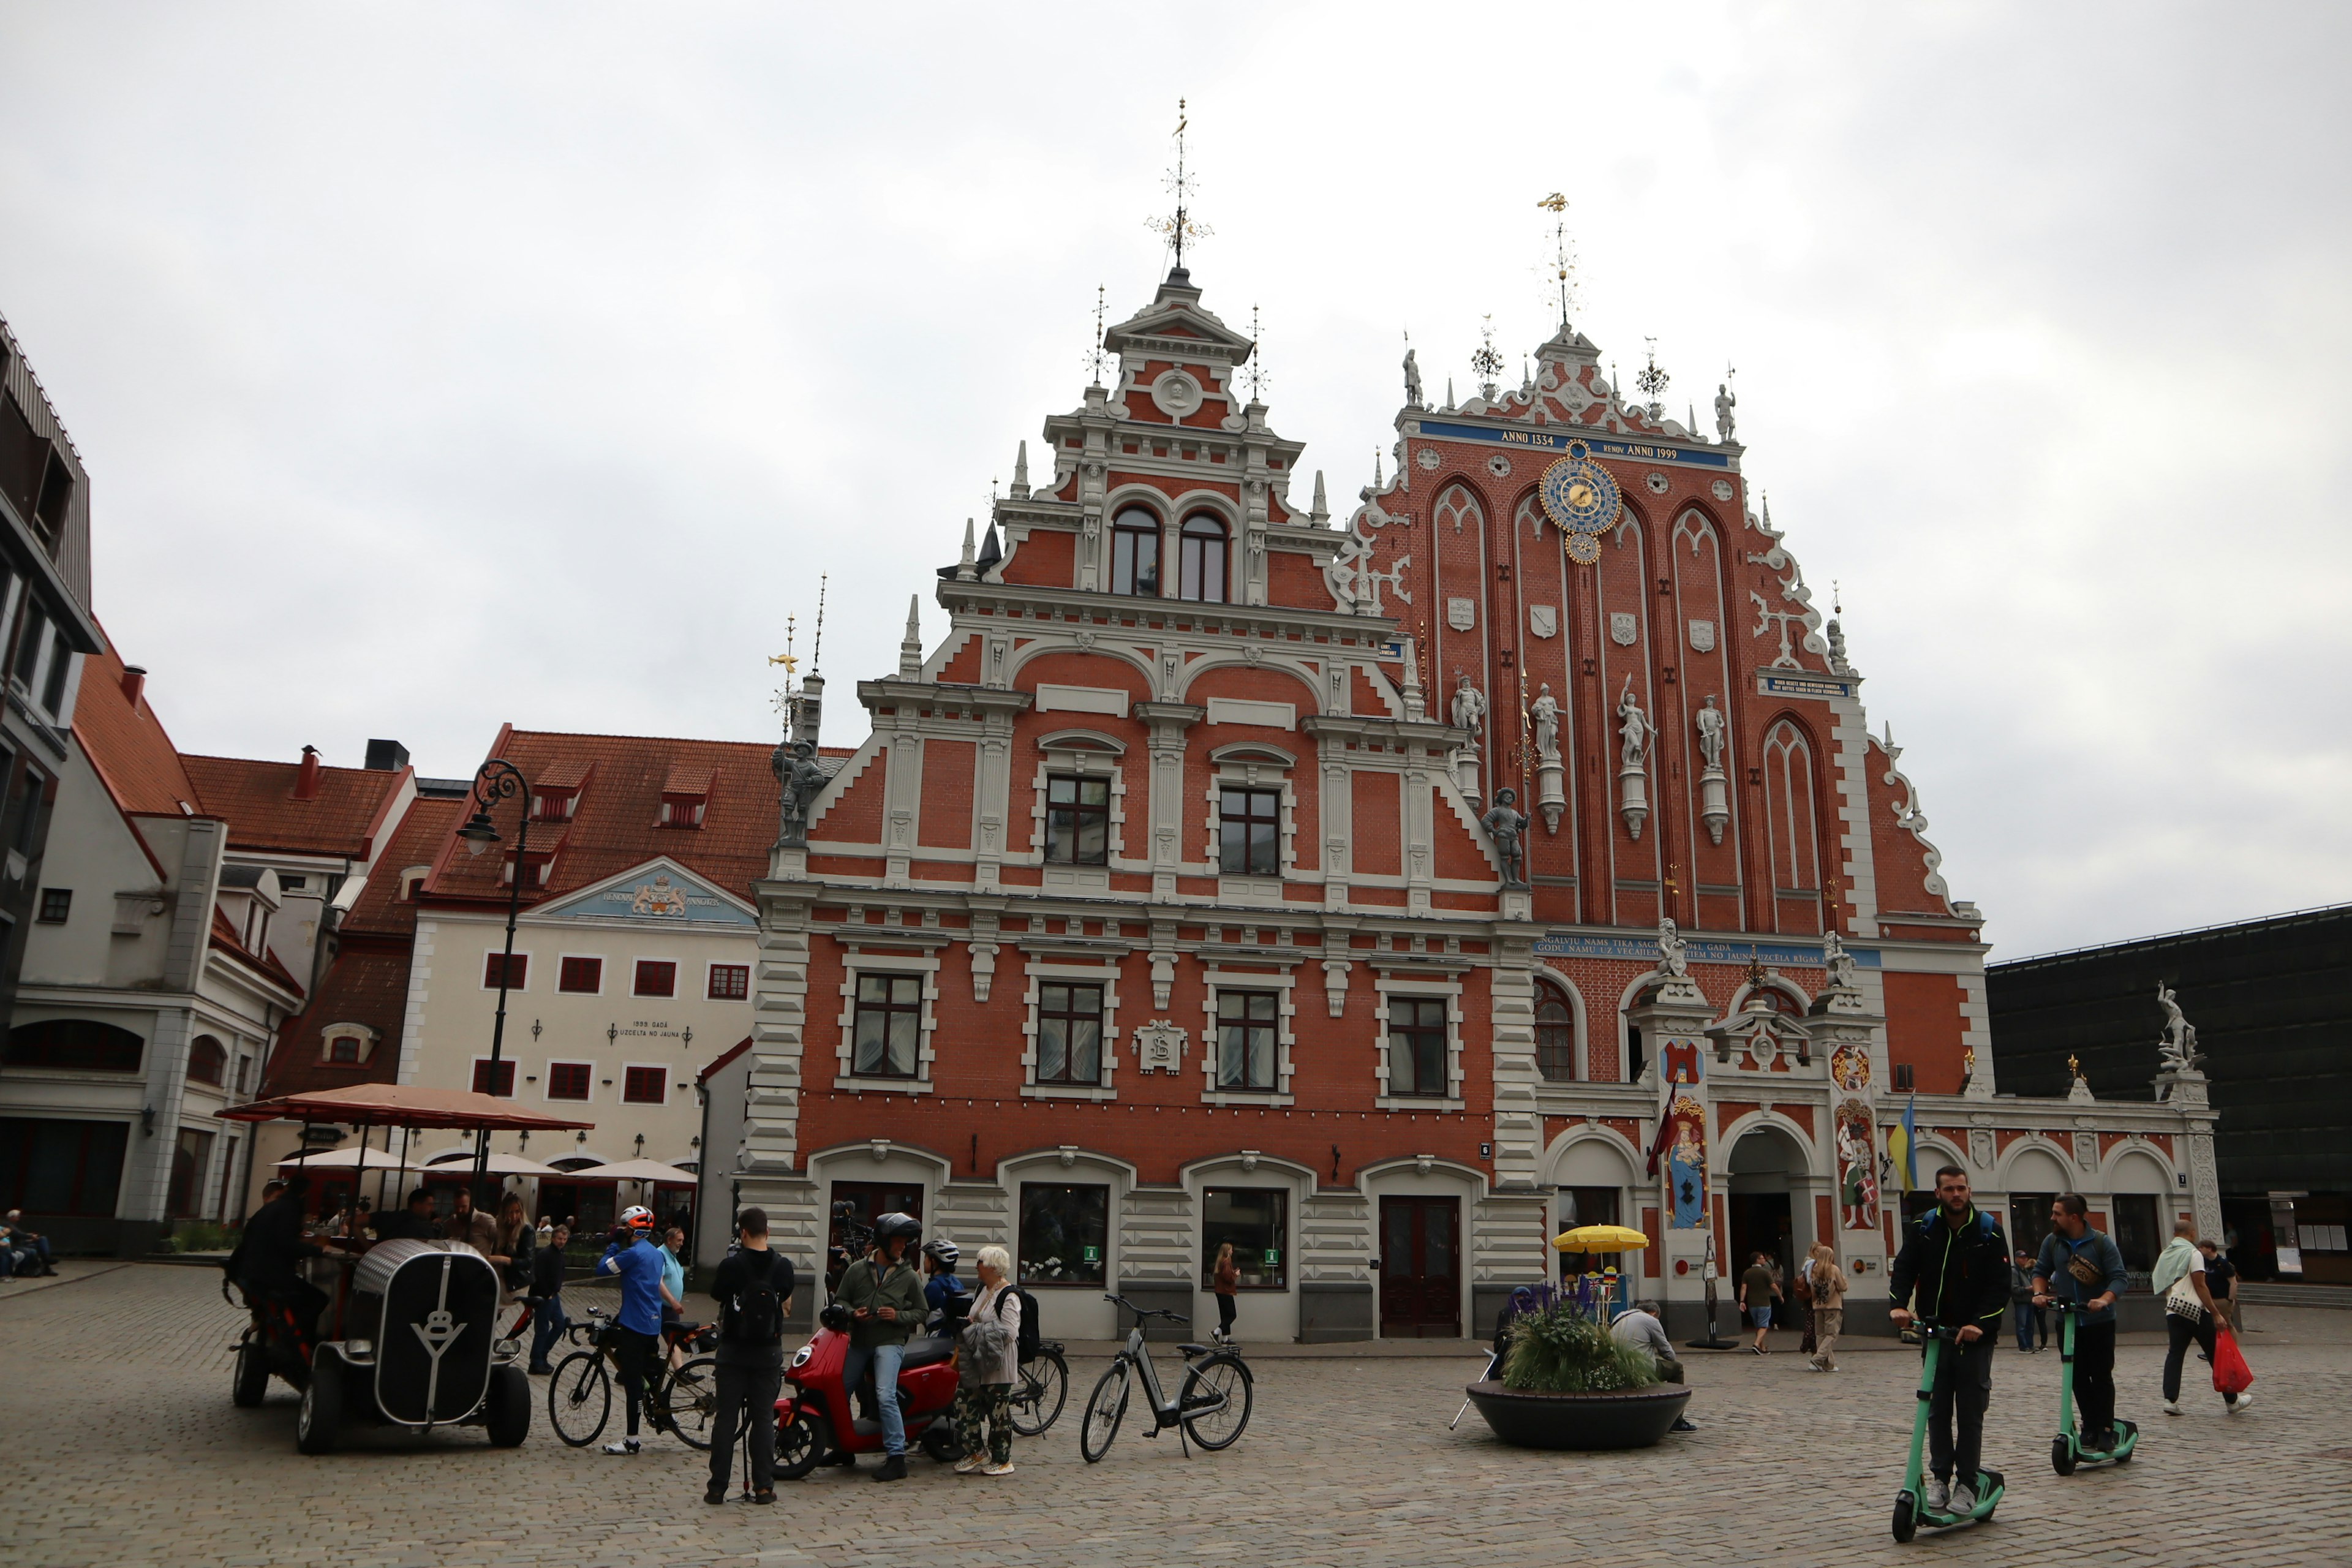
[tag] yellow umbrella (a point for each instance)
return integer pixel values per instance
(1600, 1238)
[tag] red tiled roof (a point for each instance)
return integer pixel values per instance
(125, 741)
(366, 984)
(565, 774)
(226, 940)
(686, 778)
(616, 825)
(258, 799)
(380, 910)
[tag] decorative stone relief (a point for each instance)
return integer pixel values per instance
(1160, 1047)
(1702, 636)
(1499, 466)
(1543, 620)
(1980, 1149)
(2086, 1151)
(1659, 484)
(1462, 615)
(1722, 489)
(1428, 459)
(1176, 394)
(1623, 627)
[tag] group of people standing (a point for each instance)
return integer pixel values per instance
(1820, 1290)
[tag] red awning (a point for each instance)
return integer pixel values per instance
(400, 1105)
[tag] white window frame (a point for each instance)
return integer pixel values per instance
(621, 1085)
(1419, 988)
(1254, 772)
(924, 965)
(1104, 974)
(601, 964)
(366, 1036)
(1545, 974)
(1087, 754)
(530, 963)
(547, 1079)
(1213, 980)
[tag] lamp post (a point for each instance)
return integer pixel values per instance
(495, 780)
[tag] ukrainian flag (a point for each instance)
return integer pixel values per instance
(1902, 1145)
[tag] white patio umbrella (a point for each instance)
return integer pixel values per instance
(633, 1170)
(499, 1165)
(343, 1160)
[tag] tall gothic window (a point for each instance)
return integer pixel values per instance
(1795, 847)
(1555, 1037)
(1135, 553)
(1202, 546)
(1457, 511)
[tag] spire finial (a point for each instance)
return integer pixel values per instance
(1556, 204)
(817, 642)
(1095, 356)
(1179, 228)
(1322, 512)
(910, 646)
(1020, 471)
(1253, 373)
(1487, 362)
(1653, 380)
(965, 571)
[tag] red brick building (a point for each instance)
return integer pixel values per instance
(1174, 899)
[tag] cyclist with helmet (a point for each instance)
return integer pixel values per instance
(942, 1292)
(885, 1298)
(637, 1325)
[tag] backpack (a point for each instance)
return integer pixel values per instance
(1032, 1334)
(756, 1315)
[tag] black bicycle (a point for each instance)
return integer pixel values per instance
(1211, 1408)
(683, 1400)
(1039, 1392)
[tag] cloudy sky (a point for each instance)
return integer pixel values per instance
(439, 365)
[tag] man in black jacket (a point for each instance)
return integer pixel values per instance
(548, 1316)
(273, 1251)
(413, 1223)
(1956, 1262)
(753, 1288)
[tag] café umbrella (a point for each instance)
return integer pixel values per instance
(1600, 1238)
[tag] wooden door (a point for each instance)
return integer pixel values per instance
(1421, 1268)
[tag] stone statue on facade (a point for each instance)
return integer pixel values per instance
(1838, 962)
(1506, 826)
(2178, 1046)
(1673, 955)
(799, 779)
(1412, 379)
(1545, 713)
(1724, 402)
(1469, 706)
(1633, 728)
(1710, 735)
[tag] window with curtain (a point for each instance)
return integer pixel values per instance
(888, 1026)
(1245, 1039)
(1202, 548)
(1417, 1053)
(1069, 1033)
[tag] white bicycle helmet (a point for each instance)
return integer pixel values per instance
(638, 1217)
(946, 1251)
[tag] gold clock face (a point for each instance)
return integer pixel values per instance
(1582, 497)
(1578, 495)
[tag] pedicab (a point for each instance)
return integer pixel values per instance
(410, 1334)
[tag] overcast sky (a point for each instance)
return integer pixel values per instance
(440, 366)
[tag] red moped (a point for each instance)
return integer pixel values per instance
(815, 1416)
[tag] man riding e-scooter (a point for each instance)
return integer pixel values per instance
(1956, 1262)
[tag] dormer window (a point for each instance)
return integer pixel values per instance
(538, 865)
(554, 804)
(686, 796)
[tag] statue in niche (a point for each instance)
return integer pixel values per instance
(1506, 826)
(2178, 1046)
(1469, 706)
(1838, 962)
(1674, 957)
(1412, 379)
(1545, 712)
(1633, 728)
(1711, 735)
(797, 772)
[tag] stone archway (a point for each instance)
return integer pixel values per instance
(1766, 1180)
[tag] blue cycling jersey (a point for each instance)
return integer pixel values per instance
(639, 1265)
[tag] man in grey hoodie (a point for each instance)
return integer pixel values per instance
(2071, 1242)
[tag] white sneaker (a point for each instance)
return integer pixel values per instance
(969, 1463)
(1964, 1498)
(1939, 1495)
(1003, 1469)
(625, 1446)
(2237, 1405)
(2172, 1407)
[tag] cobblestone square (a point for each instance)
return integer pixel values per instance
(123, 1448)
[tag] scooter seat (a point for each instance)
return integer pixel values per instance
(928, 1350)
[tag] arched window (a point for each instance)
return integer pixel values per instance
(1135, 552)
(83, 1044)
(1555, 1037)
(1458, 509)
(1202, 549)
(1795, 847)
(207, 1062)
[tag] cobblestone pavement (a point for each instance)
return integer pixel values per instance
(122, 1448)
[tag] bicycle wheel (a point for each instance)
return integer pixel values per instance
(1037, 1397)
(580, 1398)
(1218, 1389)
(1104, 1407)
(689, 1400)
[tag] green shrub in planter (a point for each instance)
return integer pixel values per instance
(1560, 1349)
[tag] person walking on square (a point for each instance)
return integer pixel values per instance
(1224, 1283)
(2083, 1264)
(1801, 1290)
(1830, 1286)
(2221, 1279)
(2021, 1299)
(753, 1288)
(547, 1317)
(2191, 1312)
(986, 1352)
(1757, 1294)
(1954, 1272)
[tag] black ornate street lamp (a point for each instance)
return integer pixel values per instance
(495, 780)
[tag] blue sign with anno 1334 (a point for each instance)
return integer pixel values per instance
(1558, 440)
(1700, 950)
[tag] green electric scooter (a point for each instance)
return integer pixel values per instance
(2067, 1450)
(1911, 1509)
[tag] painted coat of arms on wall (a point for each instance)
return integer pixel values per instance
(1850, 1069)
(659, 897)
(1684, 1061)
(1857, 1168)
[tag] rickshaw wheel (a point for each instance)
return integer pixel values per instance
(252, 1375)
(321, 1421)
(507, 1407)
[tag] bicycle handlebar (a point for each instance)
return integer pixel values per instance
(1147, 1311)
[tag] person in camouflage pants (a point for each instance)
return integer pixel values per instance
(988, 1351)
(992, 1402)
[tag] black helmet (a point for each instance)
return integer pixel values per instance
(895, 1224)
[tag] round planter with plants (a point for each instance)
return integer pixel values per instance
(1567, 1382)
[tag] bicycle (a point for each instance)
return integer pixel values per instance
(682, 1400)
(1211, 1409)
(1039, 1393)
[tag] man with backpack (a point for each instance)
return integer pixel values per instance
(1953, 1271)
(753, 1288)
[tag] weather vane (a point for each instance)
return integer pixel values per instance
(1180, 228)
(1563, 267)
(1253, 373)
(1094, 358)
(1652, 382)
(1487, 364)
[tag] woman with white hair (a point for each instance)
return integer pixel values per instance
(987, 1354)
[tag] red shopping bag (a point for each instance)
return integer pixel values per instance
(2231, 1375)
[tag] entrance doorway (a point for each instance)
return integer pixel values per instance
(1421, 1268)
(1765, 1165)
